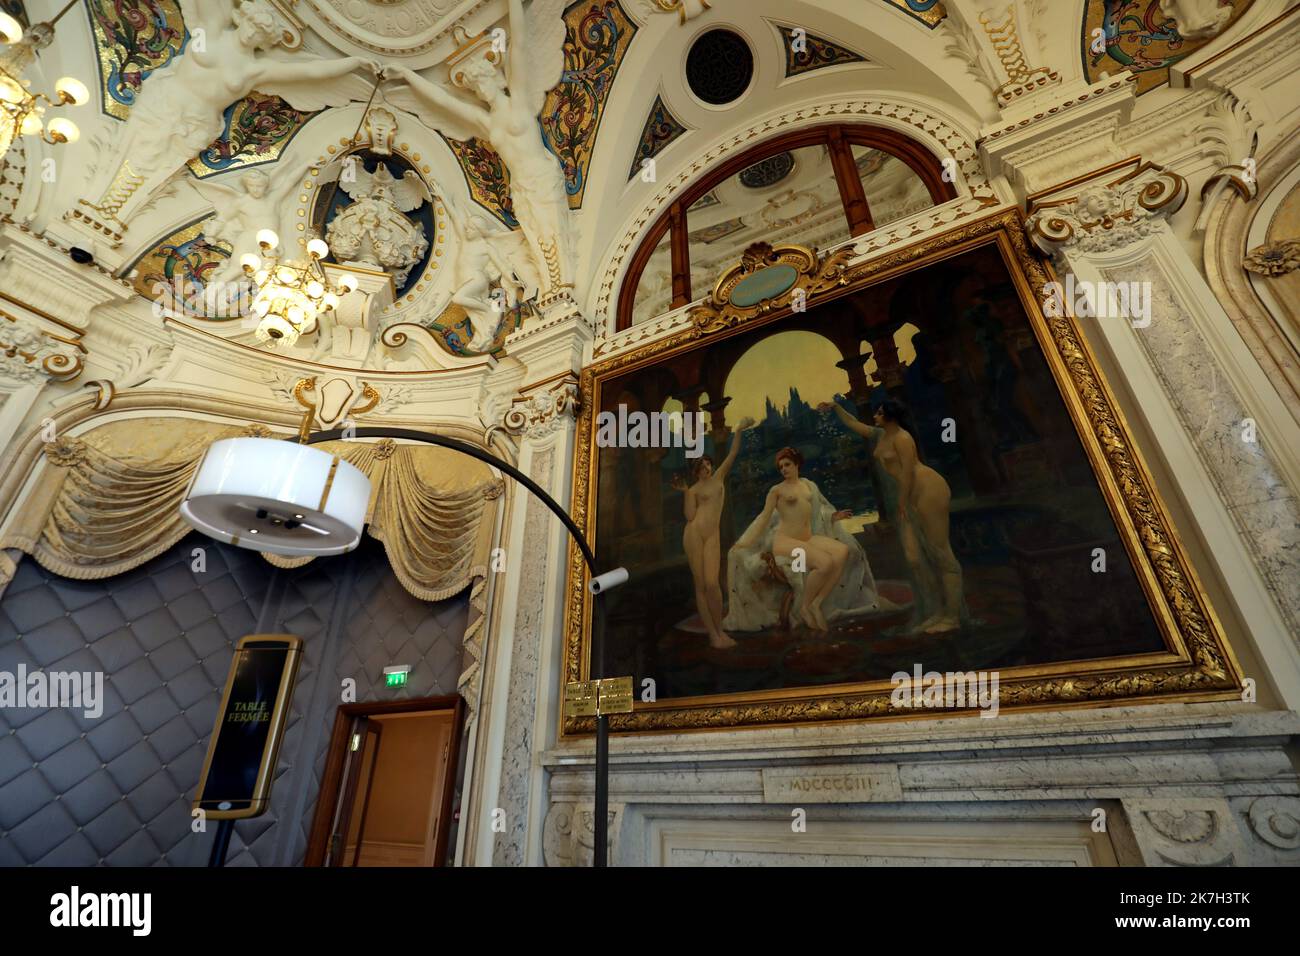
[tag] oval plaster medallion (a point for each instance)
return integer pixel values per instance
(401, 28)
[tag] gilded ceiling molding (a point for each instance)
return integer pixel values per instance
(1140, 37)
(1109, 216)
(1022, 79)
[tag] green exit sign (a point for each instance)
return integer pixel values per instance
(396, 676)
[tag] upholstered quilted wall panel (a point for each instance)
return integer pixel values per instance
(116, 790)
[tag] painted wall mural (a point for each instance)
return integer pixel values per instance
(257, 130)
(929, 12)
(816, 53)
(486, 176)
(660, 129)
(596, 40)
(1137, 37)
(132, 39)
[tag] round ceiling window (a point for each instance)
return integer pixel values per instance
(719, 67)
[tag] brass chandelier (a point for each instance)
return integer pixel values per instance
(291, 295)
(22, 113)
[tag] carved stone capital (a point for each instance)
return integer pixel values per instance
(544, 411)
(1108, 215)
(569, 833)
(31, 353)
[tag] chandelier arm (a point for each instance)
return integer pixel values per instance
(473, 451)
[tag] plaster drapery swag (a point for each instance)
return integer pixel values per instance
(107, 502)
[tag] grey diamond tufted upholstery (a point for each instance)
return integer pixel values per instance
(116, 790)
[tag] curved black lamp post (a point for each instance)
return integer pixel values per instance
(601, 822)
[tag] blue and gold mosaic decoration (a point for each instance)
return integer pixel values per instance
(596, 39)
(817, 52)
(660, 129)
(132, 39)
(929, 12)
(257, 130)
(178, 269)
(1135, 35)
(486, 176)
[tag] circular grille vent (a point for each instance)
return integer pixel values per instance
(719, 67)
(767, 172)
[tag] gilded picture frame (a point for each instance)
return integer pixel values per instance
(1196, 662)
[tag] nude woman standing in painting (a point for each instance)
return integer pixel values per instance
(919, 498)
(704, 501)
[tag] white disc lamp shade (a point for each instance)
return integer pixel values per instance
(278, 496)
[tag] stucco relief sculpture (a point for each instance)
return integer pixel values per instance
(374, 230)
(180, 108)
(507, 119)
(493, 271)
(1197, 18)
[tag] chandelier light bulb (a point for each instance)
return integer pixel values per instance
(296, 314)
(251, 262)
(63, 130)
(31, 124)
(72, 90)
(261, 276)
(318, 248)
(331, 301)
(11, 31)
(285, 275)
(267, 238)
(348, 283)
(315, 289)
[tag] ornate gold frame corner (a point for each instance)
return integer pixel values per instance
(1197, 663)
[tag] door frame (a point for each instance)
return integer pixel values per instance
(328, 797)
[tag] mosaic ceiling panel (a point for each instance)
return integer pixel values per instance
(132, 39)
(806, 52)
(929, 12)
(257, 129)
(177, 270)
(486, 176)
(596, 40)
(660, 129)
(1135, 35)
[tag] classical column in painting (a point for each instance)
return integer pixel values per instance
(1211, 416)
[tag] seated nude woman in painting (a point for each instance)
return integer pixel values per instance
(704, 501)
(917, 497)
(797, 522)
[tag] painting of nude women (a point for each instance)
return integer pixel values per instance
(891, 478)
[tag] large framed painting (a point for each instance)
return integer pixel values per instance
(893, 489)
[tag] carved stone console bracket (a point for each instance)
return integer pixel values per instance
(1110, 214)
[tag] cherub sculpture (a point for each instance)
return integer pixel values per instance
(507, 120)
(180, 107)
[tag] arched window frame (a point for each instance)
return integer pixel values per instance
(839, 138)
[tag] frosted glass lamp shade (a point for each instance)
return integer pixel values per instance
(278, 496)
